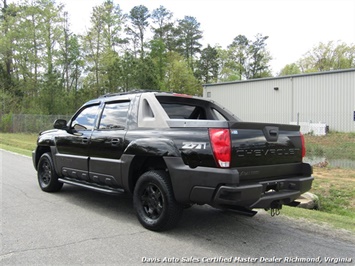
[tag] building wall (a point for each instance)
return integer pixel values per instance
(327, 97)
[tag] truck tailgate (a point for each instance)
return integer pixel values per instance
(256, 144)
(263, 151)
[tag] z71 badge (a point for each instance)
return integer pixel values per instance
(194, 145)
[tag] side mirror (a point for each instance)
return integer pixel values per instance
(60, 124)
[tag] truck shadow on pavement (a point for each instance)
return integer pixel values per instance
(195, 220)
(203, 227)
(119, 206)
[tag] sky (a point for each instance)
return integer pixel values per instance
(294, 26)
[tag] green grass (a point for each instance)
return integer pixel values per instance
(334, 145)
(335, 188)
(320, 217)
(19, 143)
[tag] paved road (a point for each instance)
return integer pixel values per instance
(77, 226)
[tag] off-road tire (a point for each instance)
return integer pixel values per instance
(154, 201)
(47, 177)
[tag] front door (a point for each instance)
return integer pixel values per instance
(72, 155)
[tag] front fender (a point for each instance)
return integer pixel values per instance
(45, 143)
(37, 153)
(45, 140)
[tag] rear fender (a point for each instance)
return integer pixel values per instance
(153, 147)
(142, 148)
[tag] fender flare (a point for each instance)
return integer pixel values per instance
(148, 147)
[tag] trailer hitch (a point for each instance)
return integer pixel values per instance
(274, 212)
(275, 208)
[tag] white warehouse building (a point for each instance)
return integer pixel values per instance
(324, 97)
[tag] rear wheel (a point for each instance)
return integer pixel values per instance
(154, 202)
(47, 177)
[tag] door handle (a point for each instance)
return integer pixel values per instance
(115, 142)
(85, 140)
(273, 133)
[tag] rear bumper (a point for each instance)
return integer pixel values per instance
(259, 196)
(222, 187)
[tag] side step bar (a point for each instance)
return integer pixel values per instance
(115, 191)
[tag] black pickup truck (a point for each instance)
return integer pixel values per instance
(171, 151)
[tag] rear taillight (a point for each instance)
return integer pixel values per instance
(303, 146)
(221, 146)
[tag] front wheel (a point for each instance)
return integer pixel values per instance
(154, 202)
(47, 177)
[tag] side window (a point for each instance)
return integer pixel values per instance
(85, 120)
(218, 115)
(114, 116)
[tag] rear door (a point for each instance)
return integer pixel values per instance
(107, 143)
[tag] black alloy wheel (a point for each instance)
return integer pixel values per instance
(47, 177)
(154, 201)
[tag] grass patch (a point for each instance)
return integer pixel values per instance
(334, 145)
(335, 188)
(19, 143)
(320, 217)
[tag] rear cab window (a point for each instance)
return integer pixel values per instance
(193, 108)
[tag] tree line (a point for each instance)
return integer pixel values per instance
(45, 68)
